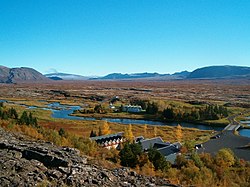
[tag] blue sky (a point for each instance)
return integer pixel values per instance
(97, 37)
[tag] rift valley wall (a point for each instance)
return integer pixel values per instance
(28, 163)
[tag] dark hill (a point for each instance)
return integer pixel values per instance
(213, 72)
(13, 75)
(4, 73)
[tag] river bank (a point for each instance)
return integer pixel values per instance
(146, 117)
(61, 111)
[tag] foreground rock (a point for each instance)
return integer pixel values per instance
(29, 163)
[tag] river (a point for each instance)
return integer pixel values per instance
(61, 111)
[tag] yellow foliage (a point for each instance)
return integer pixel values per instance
(145, 127)
(66, 142)
(30, 131)
(155, 130)
(225, 158)
(128, 134)
(148, 169)
(105, 128)
(179, 132)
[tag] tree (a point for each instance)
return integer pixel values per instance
(100, 131)
(13, 113)
(92, 133)
(128, 134)
(179, 132)
(61, 132)
(225, 158)
(197, 160)
(105, 128)
(4, 115)
(145, 127)
(168, 114)
(148, 169)
(130, 155)
(98, 108)
(24, 118)
(155, 130)
(181, 161)
(152, 108)
(158, 160)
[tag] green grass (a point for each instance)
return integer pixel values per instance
(219, 122)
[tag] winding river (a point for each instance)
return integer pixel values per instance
(61, 111)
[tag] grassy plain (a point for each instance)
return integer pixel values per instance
(233, 93)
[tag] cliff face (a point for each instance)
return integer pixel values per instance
(28, 163)
(13, 75)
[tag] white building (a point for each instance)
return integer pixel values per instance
(131, 108)
(109, 141)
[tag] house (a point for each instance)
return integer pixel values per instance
(168, 150)
(138, 139)
(109, 141)
(131, 108)
(149, 143)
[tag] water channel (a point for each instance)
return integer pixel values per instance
(61, 111)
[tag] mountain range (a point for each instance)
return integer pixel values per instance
(150, 76)
(24, 74)
(210, 72)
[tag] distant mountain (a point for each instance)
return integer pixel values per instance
(12, 75)
(214, 72)
(23, 74)
(65, 76)
(119, 76)
(4, 74)
(182, 74)
(143, 76)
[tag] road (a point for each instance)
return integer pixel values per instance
(233, 125)
(228, 140)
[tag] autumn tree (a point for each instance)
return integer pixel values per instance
(128, 134)
(225, 158)
(145, 127)
(105, 128)
(155, 130)
(179, 132)
(148, 169)
(197, 160)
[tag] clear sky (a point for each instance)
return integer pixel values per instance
(97, 37)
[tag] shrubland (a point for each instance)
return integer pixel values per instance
(223, 169)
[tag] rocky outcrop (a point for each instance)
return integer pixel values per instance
(29, 163)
